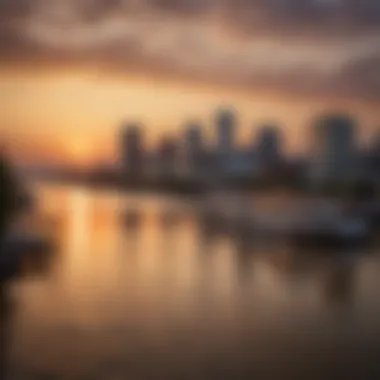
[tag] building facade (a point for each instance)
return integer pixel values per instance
(132, 150)
(194, 150)
(226, 128)
(333, 157)
(269, 147)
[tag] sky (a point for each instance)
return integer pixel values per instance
(71, 71)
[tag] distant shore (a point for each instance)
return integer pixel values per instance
(184, 186)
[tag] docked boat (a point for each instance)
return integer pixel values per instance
(15, 201)
(309, 223)
(369, 210)
(325, 225)
(16, 248)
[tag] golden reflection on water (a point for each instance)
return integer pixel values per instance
(164, 290)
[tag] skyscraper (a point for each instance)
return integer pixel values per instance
(225, 140)
(333, 149)
(193, 148)
(375, 145)
(132, 150)
(373, 158)
(226, 128)
(167, 156)
(269, 147)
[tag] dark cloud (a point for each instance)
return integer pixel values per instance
(311, 17)
(362, 76)
(349, 12)
(15, 8)
(312, 22)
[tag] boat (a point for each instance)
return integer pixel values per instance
(365, 209)
(315, 222)
(326, 225)
(343, 233)
(17, 247)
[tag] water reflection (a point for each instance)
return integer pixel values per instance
(244, 265)
(131, 219)
(188, 302)
(340, 281)
(170, 218)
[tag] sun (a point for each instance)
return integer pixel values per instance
(79, 150)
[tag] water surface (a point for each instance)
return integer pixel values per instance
(163, 301)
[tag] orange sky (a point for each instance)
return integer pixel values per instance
(71, 71)
(74, 115)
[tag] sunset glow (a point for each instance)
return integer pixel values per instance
(70, 69)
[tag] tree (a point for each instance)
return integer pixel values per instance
(10, 194)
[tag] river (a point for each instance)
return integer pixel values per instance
(163, 301)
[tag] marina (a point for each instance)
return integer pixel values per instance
(314, 222)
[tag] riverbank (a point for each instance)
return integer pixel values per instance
(176, 185)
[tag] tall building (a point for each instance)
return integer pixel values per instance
(373, 158)
(226, 128)
(193, 149)
(226, 125)
(132, 150)
(168, 156)
(333, 155)
(269, 147)
(375, 146)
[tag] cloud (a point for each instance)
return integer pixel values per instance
(299, 45)
(364, 76)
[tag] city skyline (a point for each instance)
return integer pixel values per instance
(334, 152)
(190, 189)
(72, 71)
(245, 133)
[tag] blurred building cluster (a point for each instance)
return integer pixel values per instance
(334, 154)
